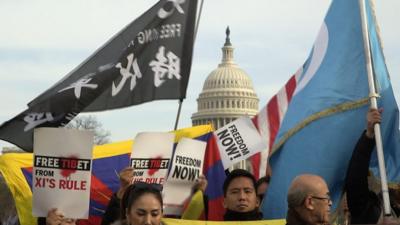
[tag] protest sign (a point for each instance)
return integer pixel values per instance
(151, 156)
(187, 165)
(62, 171)
(238, 141)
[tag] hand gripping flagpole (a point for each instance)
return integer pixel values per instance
(373, 97)
(194, 41)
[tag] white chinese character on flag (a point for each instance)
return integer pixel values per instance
(126, 74)
(165, 64)
(78, 85)
(35, 119)
(162, 13)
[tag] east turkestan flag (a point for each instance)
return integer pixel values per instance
(326, 113)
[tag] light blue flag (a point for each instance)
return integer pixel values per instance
(390, 123)
(327, 113)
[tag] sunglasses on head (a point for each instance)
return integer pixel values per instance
(143, 185)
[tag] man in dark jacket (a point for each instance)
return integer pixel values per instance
(365, 206)
(240, 197)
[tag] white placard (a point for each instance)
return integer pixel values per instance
(187, 165)
(151, 155)
(238, 140)
(62, 171)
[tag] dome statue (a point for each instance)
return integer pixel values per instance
(227, 93)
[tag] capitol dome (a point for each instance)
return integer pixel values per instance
(227, 93)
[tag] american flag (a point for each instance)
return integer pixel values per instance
(268, 121)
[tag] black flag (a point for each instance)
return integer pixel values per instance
(149, 59)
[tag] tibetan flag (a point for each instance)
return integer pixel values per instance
(149, 59)
(194, 207)
(326, 114)
(108, 160)
(214, 171)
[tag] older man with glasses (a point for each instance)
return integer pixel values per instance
(308, 201)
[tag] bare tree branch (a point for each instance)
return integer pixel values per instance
(91, 123)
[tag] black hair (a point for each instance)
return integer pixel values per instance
(137, 190)
(264, 179)
(235, 174)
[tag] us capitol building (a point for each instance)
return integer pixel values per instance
(227, 93)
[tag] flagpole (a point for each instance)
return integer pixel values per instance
(178, 114)
(198, 20)
(194, 41)
(373, 98)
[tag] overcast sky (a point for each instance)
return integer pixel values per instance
(43, 40)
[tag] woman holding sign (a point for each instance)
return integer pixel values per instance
(142, 204)
(55, 217)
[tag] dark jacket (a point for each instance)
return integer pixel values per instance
(41, 221)
(293, 218)
(364, 205)
(243, 216)
(112, 212)
(123, 222)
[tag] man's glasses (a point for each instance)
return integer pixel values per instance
(328, 199)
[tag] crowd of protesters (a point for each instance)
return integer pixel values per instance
(308, 198)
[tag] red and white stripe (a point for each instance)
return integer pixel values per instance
(268, 121)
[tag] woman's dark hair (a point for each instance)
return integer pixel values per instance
(137, 190)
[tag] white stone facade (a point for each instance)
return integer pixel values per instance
(227, 93)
